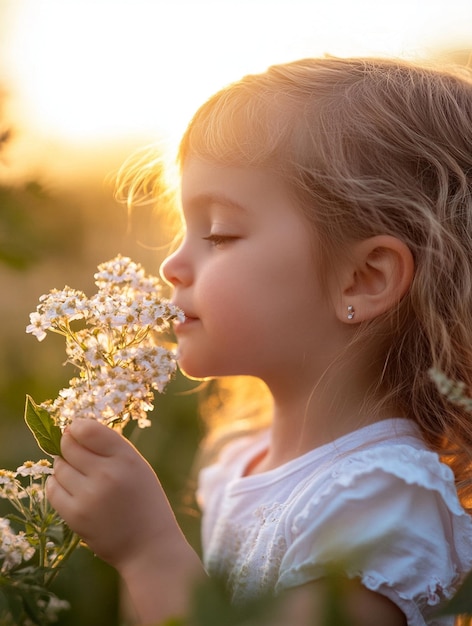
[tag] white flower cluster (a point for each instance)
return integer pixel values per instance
(15, 548)
(116, 351)
(33, 546)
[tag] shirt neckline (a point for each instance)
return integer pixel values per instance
(398, 429)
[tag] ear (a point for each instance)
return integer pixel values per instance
(375, 278)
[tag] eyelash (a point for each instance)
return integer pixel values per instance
(218, 240)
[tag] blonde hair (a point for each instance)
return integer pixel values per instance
(368, 147)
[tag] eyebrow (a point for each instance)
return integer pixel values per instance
(208, 199)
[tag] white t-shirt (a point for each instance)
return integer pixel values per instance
(377, 499)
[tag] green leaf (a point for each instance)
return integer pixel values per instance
(47, 434)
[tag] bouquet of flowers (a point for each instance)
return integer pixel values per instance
(115, 340)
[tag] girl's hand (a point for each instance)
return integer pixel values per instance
(110, 496)
(107, 493)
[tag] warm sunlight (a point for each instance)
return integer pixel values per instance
(79, 71)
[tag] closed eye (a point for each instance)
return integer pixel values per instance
(219, 240)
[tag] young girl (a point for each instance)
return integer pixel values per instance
(327, 252)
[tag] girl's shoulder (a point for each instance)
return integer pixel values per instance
(412, 466)
(396, 483)
(390, 516)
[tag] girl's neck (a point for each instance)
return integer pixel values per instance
(305, 421)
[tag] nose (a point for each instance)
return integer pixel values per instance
(175, 269)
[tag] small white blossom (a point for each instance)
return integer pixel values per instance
(35, 493)
(52, 606)
(10, 487)
(7, 477)
(36, 469)
(38, 326)
(14, 548)
(56, 310)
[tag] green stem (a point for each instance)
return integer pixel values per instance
(73, 543)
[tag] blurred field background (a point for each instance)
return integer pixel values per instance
(82, 85)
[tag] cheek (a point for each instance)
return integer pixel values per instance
(243, 317)
(218, 291)
(215, 346)
(230, 314)
(248, 300)
(252, 314)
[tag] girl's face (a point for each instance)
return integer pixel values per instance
(245, 276)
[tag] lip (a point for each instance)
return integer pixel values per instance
(189, 321)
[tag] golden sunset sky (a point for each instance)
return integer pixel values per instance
(85, 76)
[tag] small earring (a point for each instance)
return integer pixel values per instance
(350, 312)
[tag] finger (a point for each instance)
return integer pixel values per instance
(58, 495)
(75, 454)
(54, 489)
(95, 437)
(67, 476)
(67, 505)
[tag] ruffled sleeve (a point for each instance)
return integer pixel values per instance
(392, 518)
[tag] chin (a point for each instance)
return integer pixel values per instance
(198, 371)
(194, 372)
(196, 377)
